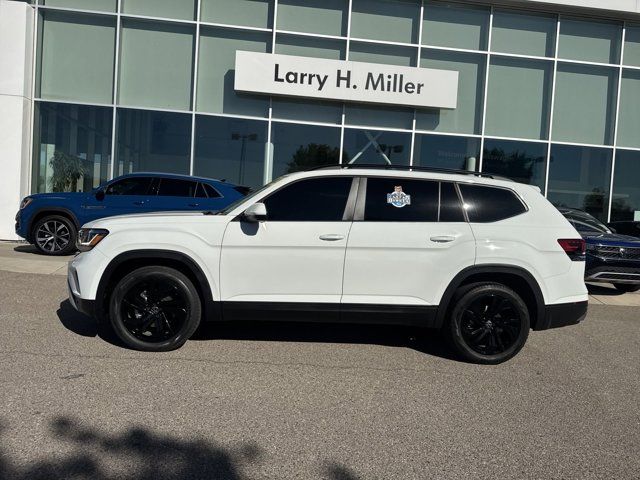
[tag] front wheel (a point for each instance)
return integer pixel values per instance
(626, 287)
(54, 235)
(155, 309)
(489, 324)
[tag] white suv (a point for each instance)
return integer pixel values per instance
(483, 259)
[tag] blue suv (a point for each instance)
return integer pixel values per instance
(51, 221)
(611, 257)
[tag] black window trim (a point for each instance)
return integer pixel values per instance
(350, 204)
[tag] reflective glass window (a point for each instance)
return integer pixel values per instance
(310, 47)
(629, 115)
(250, 13)
(450, 205)
(378, 116)
(454, 25)
(401, 200)
(291, 108)
(327, 17)
(72, 69)
(632, 45)
(523, 34)
(130, 186)
(301, 147)
(467, 116)
(385, 54)
(579, 177)
(390, 20)
(216, 72)
(155, 65)
(72, 147)
(625, 205)
(523, 162)
(172, 187)
(152, 141)
(589, 41)
(97, 5)
(585, 104)
(376, 147)
(232, 149)
(519, 98)
(447, 151)
(311, 200)
(489, 204)
(183, 9)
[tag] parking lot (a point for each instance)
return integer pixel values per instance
(302, 401)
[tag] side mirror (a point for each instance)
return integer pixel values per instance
(255, 213)
(100, 195)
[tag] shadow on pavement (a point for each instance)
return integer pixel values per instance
(425, 341)
(138, 453)
(603, 289)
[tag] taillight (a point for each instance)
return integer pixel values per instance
(576, 248)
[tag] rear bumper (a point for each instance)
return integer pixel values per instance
(563, 315)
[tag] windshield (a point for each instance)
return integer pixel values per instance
(233, 205)
(583, 222)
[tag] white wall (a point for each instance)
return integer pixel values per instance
(16, 50)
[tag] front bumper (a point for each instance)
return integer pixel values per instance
(80, 304)
(563, 315)
(20, 226)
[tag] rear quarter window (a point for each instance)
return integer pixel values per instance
(486, 204)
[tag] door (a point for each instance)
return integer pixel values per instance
(175, 194)
(408, 240)
(296, 256)
(124, 196)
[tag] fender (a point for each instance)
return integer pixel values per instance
(211, 309)
(492, 269)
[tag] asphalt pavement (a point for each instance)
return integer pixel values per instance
(283, 401)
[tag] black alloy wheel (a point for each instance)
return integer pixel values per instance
(489, 323)
(54, 235)
(155, 309)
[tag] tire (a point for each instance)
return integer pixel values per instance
(626, 287)
(55, 235)
(491, 312)
(155, 309)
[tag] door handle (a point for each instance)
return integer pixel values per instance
(331, 237)
(138, 203)
(442, 239)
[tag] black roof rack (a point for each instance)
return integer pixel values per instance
(409, 168)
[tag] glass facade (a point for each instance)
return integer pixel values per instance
(546, 99)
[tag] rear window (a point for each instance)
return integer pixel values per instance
(170, 187)
(490, 204)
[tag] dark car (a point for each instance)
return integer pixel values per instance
(51, 221)
(626, 228)
(611, 257)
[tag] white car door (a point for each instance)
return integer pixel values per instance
(408, 240)
(296, 255)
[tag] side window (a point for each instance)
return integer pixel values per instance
(200, 193)
(129, 186)
(312, 200)
(401, 200)
(170, 187)
(490, 204)
(211, 192)
(450, 205)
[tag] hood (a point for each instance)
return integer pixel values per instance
(610, 239)
(153, 218)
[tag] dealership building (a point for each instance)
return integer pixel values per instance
(544, 92)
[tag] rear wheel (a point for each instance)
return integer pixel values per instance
(54, 235)
(155, 309)
(489, 323)
(626, 287)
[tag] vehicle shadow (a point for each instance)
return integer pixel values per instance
(603, 289)
(429, 342)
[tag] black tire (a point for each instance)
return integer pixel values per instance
(155, 309)
(491, 312)
(54, 235)
(626, 287)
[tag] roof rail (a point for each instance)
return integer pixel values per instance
(409, 168)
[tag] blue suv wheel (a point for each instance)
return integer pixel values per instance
(54, 235)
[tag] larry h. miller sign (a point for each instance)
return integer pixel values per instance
(320, 78)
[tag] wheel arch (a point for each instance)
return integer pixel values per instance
(45, 212)
(131, 260)
(516, 278)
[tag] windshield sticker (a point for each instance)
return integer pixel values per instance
(398, 198)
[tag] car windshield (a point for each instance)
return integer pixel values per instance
(583, 222)
(233, 205)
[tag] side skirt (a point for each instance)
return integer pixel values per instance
(331, 312)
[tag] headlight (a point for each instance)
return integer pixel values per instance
(90, 237)
(25, 201)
